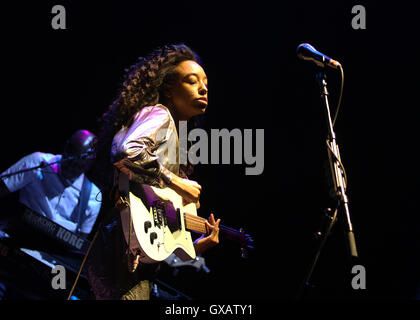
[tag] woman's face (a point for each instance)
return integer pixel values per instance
(188, 93)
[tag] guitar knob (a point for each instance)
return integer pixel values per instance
(147, 225)
(153, 236)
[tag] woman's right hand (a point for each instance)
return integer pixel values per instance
(188, 189)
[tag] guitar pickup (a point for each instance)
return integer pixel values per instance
(164, 214)
(159, 213)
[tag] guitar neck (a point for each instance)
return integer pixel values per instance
(198, 224)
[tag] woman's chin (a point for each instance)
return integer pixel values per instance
(202, 107)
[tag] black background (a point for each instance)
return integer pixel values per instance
(57, 81)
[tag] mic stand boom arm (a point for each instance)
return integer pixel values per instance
(42, 165)
(336, 167)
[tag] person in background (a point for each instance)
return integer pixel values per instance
(55, 190)
(58, 190)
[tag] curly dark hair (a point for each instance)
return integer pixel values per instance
(144, 84)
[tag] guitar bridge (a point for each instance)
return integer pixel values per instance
(164, 214)
(159, 213)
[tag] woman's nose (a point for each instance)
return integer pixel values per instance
(202, 90)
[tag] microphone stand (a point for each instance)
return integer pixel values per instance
(339, 182)
(44, 164)
(41, 166)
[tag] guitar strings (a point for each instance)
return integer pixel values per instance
(198, 221)
(202, 220)
(196, 226)
(193, 217)
(195, 222)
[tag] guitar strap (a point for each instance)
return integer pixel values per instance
(81, 213)
(83, 201)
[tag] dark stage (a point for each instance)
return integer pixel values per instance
(57, 81)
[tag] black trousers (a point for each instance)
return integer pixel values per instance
(108, 267)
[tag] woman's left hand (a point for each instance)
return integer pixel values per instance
(213, 225)
(205, 243)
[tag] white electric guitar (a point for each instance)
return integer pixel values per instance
(156, 224)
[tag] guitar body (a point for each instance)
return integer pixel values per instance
(158, 224)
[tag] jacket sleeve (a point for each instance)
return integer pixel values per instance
(18, 181)
(135, 148)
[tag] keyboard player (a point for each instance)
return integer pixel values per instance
(59, 191)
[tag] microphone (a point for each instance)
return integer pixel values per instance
(85, 156)
(306, 52)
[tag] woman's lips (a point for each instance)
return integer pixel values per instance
(202, 100)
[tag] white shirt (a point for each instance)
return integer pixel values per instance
(43, 191)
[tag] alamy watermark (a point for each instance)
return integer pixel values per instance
(59, 20)
(220, 143)
(359, 20)
(59, 280)
(359, 280)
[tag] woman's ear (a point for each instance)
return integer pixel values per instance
(166, 95)
(167, 92)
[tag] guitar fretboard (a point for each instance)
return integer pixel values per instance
(198, 224)
(195, 223)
